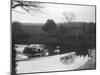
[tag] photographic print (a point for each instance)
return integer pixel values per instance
(52, 37)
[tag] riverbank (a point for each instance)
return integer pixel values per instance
(91, 63)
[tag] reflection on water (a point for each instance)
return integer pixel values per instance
(52, 63)
(67, 58)
(34, 50)
(40, 50)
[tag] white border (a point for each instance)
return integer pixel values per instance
(5, 37)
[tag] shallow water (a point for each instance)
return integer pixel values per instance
(47, 63)
(50, 63)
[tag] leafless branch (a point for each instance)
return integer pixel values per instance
(18, 11)
(69, 16)
(28, 6)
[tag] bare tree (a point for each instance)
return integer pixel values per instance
(69, 16)
(28, 6)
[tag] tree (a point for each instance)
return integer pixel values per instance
(69, 16)
(92, 28)
(27, 6)
(51, 29)
(17, 27)
(50, 25)
(62, 29)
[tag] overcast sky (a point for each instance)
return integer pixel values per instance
(54, 11)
